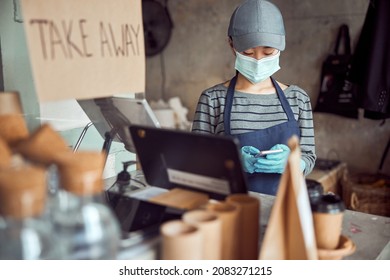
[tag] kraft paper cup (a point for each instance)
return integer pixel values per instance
(228, 214)
(210, 226)
(248, 224)
(180, 241)
(22, 192)
(328, 215)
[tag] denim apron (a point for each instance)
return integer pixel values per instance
(263, 139)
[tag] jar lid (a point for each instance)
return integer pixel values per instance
(13, 128)
(22, 191)
(12, 123)
(329, 203)
(43, 145)
(81, 173)
(10, 103)
(6, 155)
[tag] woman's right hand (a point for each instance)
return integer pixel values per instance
(273, 163)
(248, 158)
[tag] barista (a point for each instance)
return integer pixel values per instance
(261, 112)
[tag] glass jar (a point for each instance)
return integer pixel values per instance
(25, 230)
(84, 223)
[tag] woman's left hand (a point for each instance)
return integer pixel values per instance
(273, 163)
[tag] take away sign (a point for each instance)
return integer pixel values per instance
(85, 49)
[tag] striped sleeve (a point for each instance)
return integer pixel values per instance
(306, 124)
(208, 111)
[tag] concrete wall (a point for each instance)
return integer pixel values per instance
(198, 56)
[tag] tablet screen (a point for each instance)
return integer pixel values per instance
(201, 162)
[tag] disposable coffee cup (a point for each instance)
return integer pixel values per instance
(315, 190)
(328, 214)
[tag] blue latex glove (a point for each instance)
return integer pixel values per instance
(273, 163)
(248, 158)
(303, 165)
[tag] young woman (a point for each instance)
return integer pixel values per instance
(260, 111)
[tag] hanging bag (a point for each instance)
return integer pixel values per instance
(337, 93)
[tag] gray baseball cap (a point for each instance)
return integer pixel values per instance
(257, 23)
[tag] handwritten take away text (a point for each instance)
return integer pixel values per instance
(70, 39)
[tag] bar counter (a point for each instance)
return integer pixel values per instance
(370, 233)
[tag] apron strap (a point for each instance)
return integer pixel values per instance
(229, 103)
(283, 100)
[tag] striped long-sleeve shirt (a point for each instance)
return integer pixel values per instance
(257, 111)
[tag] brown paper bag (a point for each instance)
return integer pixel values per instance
(290, 231)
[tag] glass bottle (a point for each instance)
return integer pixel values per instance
(84, 223)
(25, 230)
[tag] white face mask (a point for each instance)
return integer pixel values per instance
(255, 70)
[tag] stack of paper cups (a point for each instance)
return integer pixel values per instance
(248, 224)
(180, 241)
(210, 226)
(228, 214)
